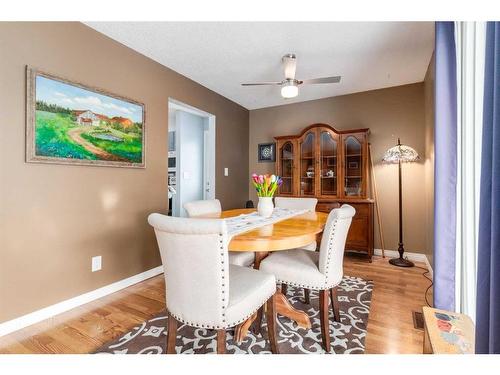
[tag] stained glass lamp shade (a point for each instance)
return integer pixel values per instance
(400, 153)
(397, 155)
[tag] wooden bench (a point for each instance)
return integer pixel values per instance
(447, 332)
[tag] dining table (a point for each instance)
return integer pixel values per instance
(290, 233)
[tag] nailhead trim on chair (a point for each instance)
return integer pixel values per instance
(249, 315)
(223, 326)
(330, 244)
(232, 324)
(313, 287)
(221, 247)
(326, 286)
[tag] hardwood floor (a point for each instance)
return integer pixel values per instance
(397, 292)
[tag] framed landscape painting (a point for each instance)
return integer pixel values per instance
(69, 123)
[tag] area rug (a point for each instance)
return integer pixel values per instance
(347, 336)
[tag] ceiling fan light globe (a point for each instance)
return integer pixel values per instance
(289, 91)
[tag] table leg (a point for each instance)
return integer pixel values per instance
(283, 307)
(241, 330)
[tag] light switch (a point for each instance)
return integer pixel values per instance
(226, 171)
(96, 263)
(186, 175)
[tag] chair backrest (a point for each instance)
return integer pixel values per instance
(195, 263)
(296, 203)
(331, 251)
(203, 207)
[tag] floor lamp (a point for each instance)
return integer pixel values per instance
(397, 155)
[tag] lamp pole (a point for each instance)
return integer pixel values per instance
(400, 262)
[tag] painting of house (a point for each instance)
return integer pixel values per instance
(86, 117)
(73, 124)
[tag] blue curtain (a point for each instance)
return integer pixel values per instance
(488, 275)
(445, 171)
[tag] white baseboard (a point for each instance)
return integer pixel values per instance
(415, 257)
(51, 311)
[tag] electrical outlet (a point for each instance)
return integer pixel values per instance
(96, 263)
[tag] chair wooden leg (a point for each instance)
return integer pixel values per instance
(257, 324)
(171, 334)
(271, 324)
(307, 299)
(221, 341)
(335, 304)
(284, 288)
(323, 316)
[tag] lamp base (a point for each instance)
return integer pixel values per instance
(401, 262)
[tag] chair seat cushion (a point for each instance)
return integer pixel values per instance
(241, 258)
(311, 247)
(295, 267)
(249, 289)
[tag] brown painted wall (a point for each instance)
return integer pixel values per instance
(389, 113)
(53, 218)
(429, 158)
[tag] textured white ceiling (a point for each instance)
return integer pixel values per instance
(222, 55)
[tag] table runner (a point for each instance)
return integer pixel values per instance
(247, 222)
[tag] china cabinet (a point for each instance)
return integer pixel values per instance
(332, 166)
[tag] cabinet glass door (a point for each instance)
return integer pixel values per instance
(353, 177)
(307, 170)
(286, 168)
(328, 164)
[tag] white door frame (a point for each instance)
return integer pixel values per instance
(209, 145)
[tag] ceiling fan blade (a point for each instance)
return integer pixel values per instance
(261, 84)
(335, 79)
(290, 64)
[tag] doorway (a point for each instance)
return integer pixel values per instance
(191, 156)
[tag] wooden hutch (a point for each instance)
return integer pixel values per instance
(334, 167)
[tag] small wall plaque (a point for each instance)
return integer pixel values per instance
(267, 152)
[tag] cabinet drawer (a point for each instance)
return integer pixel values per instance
(326, 206)
(362, 210)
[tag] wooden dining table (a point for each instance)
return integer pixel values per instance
(287, 234)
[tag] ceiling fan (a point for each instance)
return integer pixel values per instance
(290, 85)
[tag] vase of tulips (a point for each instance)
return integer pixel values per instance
(266, 185)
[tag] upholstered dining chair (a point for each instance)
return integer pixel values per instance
(298, 204)
(322, 271)
(213, 206)
(202, 289)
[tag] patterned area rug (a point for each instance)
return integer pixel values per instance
(347, 337)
